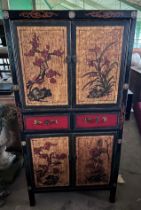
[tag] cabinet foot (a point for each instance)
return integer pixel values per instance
(31, 198)
(112, 197)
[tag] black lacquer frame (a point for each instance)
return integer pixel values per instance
(71, 19)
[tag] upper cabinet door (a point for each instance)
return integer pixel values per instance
(99, 61)
(41, 49)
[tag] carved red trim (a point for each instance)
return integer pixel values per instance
(105, 14)
(38, 14)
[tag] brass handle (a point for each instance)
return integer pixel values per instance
(49, 122)
(104, 119)
(46, 122)
(89, 120)
(37, 122)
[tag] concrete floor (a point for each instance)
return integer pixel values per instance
(128, 194)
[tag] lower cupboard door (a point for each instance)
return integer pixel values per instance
(93, 159)
(50, 161)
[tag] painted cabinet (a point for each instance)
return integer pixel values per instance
(70, 73)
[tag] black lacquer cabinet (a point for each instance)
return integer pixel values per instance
(70, 73)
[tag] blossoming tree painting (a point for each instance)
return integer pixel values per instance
(43, 68)
(41, 61)
(50, 158)
(99, 64)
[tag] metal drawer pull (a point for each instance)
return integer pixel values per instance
(104, 119)
(89, 120)
(37, 122)
(47, 122)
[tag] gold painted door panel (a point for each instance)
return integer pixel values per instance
(94, 158)
(99, 54)
(43, 51)
(50, 161)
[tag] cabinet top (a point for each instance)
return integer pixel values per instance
(79, 14)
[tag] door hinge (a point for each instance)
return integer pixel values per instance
(23, 143)
(15, 88)
(119, 141)
(125, 86)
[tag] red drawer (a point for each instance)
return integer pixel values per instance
(52, 122)
(96, 120)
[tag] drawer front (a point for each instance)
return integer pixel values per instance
(56, 122)
(96, 120)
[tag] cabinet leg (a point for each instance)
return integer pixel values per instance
(31, 198)
(112, 197)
